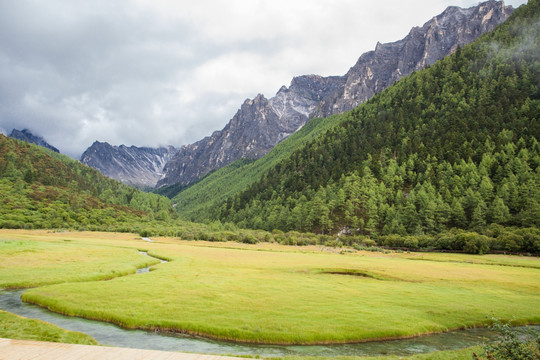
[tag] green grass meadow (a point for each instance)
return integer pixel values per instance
(269, 293)
(34, 258)
(17, 327)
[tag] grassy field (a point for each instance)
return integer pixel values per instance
(17, 327)
(273, 294)
(33, 258)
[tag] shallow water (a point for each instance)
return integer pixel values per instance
(108, 334)
(147, 269)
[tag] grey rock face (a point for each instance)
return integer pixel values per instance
(136, 166)
(25, 134)
(260, 123)
(255, 129)
(423, 46)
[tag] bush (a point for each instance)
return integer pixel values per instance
(531, 240)
(397, 241)
(334, 243)
(248, 239)
(202, 236)
(426, 241)
(469, 242)
(368, 242)
(146, 233)
(410, 242)
(445, 241)
(515, 344)
(509, 241)
(472, 243)
(287, 240)
(230, 236)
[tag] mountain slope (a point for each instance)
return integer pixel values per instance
(195, 201)
(44, 189)
(141, 167)
(423, 46)
(26, 135)
(261, 123)
(255, 129)
(454, 145)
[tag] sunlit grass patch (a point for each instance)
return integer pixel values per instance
(277, 294)
(28, 261)
(17, 327)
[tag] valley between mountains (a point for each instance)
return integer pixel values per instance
(399, 200)
(261, 123)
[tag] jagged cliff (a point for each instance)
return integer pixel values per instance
(137, 166)
(378, 69)
(255, 129)
(261, 123)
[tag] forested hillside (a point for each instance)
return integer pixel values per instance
(196, 201)
(43, 189)
(452, 146)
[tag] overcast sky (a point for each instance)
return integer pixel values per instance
(156, 72)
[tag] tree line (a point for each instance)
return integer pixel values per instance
(451, 146)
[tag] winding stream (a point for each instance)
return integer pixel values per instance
(108, 334)
(147, 269)
(112, 335)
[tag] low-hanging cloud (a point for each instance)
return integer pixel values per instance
(171, 72)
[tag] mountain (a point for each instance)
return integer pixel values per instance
(255, 129)
(26, 135)
(262, 123)
(136, 166)
(453, 146)
(44, 189)
(423, 46)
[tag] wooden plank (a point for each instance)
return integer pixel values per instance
(39, 350)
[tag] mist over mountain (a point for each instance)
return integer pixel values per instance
(26, 135)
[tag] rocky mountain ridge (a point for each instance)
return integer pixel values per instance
(256, 128)
(137, 166)
(26, 135)
(423, 46)
(262, 123)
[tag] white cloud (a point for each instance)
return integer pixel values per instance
(150, 73)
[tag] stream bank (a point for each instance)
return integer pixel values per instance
(112, 335)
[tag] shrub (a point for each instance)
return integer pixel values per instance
(202, 236)
(509, 241)
(514, 344)
(426, 241)
(146, 233)
(368, 242)
(409, 242)
(531, 239)
(248, 239)
(230, 236)
(287, 240)
(445, 241)
(472, 243)
(334, 243)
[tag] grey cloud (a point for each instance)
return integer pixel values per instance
(171, 72)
